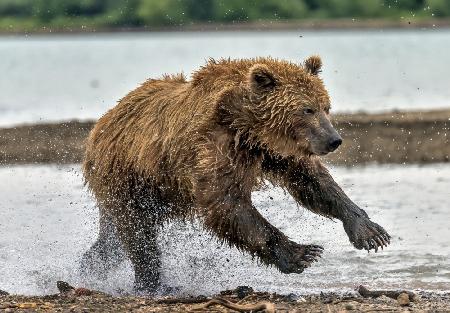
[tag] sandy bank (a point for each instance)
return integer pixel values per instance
(397, 137)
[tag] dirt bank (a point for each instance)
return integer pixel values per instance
(397, 137)
(244, 299)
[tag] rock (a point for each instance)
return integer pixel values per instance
(64, 287)
(243, 291)
(327, 300)
(292, 297)
(3, 293)
(403, 299)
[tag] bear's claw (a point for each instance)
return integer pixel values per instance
(367, 235)
(378, 241)
(313, 252)
(294, 258)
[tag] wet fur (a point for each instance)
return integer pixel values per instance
(174, 148)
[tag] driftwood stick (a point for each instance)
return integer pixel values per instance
(183, 300)
(261, 306)
(366, 293)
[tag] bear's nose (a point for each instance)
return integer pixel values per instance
(334, 144)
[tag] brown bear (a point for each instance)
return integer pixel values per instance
(177, 148)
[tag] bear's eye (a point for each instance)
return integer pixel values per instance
(308, 111)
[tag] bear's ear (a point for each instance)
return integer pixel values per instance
(261, 78)
(313, 65)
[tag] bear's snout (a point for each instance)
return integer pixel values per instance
(324, 139)
(334, 143)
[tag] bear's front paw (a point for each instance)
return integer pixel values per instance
(291, 257)
(365, 234)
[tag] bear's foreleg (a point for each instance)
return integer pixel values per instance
(311, 185)
(228, 213)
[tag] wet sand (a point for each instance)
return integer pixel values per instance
(395, 137)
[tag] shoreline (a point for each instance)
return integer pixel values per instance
(241, 299)
(397, 137)
(303, 25)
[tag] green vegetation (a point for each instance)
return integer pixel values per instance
(21, 15)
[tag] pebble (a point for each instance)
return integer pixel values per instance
(403, 299)
(243, 291)
(349, 307)
(63, 286)
(294, 298)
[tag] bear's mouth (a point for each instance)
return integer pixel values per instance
(319, 149)
(315, 148)
(321, 153)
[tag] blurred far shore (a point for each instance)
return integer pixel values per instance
(306, 25)
(75, 16)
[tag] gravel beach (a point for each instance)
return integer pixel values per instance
(244, 299)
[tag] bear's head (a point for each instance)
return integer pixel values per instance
(286, 108)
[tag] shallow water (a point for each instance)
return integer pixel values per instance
(47, 220)
(47, 78)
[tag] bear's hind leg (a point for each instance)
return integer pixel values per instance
(106, 253)
(139, 237)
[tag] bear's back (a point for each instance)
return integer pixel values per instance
(152, 130)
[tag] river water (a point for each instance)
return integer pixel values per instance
(47, 220)
(50, 78)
